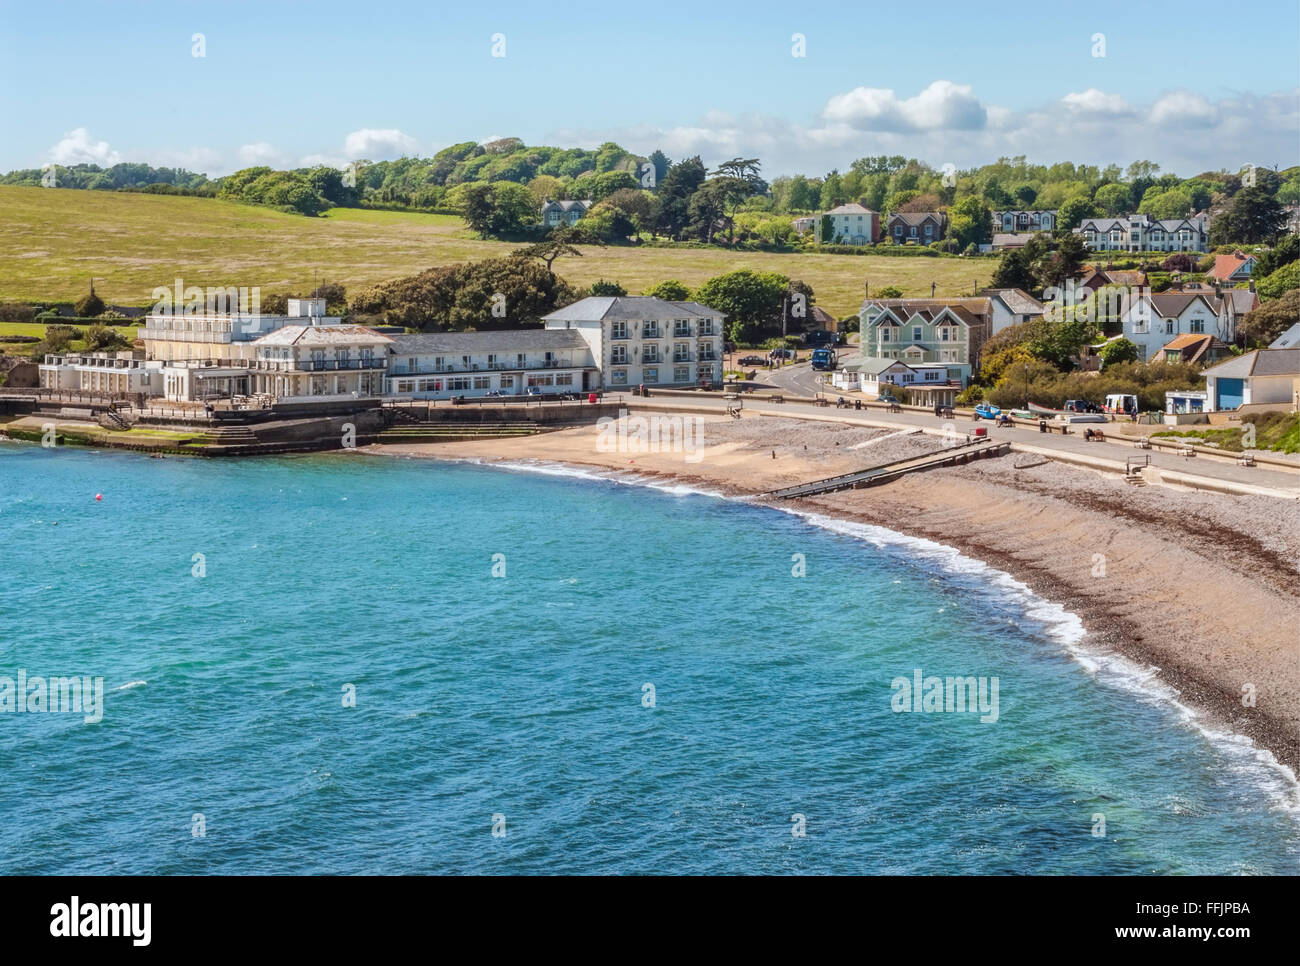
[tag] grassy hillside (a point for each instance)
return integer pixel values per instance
(53, 240)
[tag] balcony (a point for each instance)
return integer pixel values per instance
(651, 360)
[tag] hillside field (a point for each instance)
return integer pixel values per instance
(53, 240)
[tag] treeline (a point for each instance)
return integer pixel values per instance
(125, 176)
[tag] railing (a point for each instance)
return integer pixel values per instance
(332, 365)
(402, 370)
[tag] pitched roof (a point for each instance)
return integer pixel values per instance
(1193, 346)
(1225, 266)
(1288, 339)
(916, 217)
(871, 365)
(1017, 300)
(321, 335)
(850, 209)
(1172, 304)
(499, 340)
(1259, 362)
(597, 308)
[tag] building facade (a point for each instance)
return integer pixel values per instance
(916, 227)
(509, 362)
(642, 340)
(1142, 233)
(1153, 321)
(556, 213)
(850, 224)
(1024, 221)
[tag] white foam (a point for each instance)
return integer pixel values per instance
(129, 685)
(1256, 765)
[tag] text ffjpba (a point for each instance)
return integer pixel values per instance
(100, 919)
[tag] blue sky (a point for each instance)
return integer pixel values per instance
(1188, 85)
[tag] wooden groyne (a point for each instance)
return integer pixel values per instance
(885, 472)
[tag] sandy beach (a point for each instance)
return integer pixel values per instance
(1203, 586)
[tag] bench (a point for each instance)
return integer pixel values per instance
(1245, 459)
(1143, 443)
(945, 412)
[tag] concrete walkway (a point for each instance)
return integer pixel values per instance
(1216, 472)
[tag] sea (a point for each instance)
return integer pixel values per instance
(353, 663)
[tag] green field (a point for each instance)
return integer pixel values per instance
(53, 240)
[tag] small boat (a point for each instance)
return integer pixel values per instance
(1038, 410)
(987, 411)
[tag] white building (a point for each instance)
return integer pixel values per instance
(170, 336)
(850, 224)
(555, 213)
(1258, 376)
(297, 363)
(1152, 321)
(113, 373)
(1142, 233)
(510, 362)
(643, 340)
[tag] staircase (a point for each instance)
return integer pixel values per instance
(112, 419)
(222, 439)
(452, 432)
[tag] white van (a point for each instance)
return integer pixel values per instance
(1120, 403)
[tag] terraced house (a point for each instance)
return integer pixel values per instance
(642, 340)
(1142, 233)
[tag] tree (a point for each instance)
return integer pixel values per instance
(89, 305)
(58, 339)
(1283, 280)
(1066, 262)
(1073, 211)
(1253, 217)
(1261, 326)
(102, 338)
(890, 292)
(1121, 350)
(602, 287)
(675, 190)
(970, 222)
(1112, 199)
(661, 165)
(752, 302)
(562, 241)
(497, 208)
(1284, 253)
(670, 290)
(1179, 262)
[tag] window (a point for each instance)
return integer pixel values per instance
(651, 330)
(618, 330)
(1198, 326)
(706, 327)
(681, 374)
(884, 333)
(406, 385)
(482, 382)
(649, 375)
(564, 379)
(439, 363)
(507, 382)
(456, 383)
(916, 333)
(618, 355)
(520, 359)
(618, 377)
(681, 328)
(943, 334)
(681, 352)
(492, 361)
(1169, 326)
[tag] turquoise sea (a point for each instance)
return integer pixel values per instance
(647, 689)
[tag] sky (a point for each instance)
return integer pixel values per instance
(1192, 86)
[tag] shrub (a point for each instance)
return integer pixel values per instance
(89, 305)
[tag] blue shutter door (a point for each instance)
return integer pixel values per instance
(1229, 392)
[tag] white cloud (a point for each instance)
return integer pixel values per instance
(261, 153)
(1087, 127)
(1093, 101)
(375, 144)
(77, 147)
(941, 106)
(1184, 109)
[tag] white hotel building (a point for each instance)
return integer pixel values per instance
(436, 365)
(642, 340)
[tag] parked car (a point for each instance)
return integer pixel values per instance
(1121, 403)
(495, 392)
(887, 397)
(533, 391)
(752, 361)
(782, 354)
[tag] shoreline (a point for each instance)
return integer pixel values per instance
(1209, 690)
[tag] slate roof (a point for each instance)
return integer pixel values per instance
(1259, 362)
(597, 308)
(321, 335)
(497, 340)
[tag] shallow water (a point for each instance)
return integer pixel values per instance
(524, 696)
